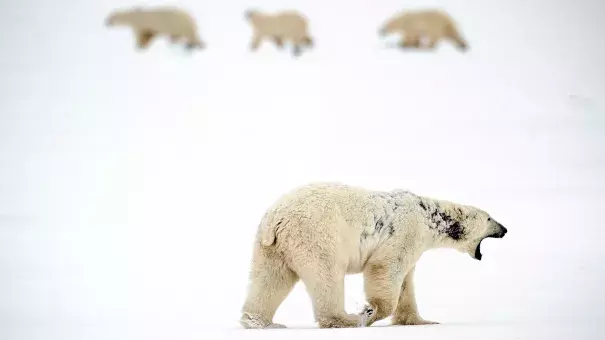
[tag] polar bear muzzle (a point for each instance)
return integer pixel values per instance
(499, 234)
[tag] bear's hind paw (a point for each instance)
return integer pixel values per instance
(276, 325)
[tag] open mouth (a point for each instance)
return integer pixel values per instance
(478, 254)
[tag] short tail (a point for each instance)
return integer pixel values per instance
(269, 231)
(268, 237)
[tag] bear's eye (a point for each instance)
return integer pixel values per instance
(489, 219)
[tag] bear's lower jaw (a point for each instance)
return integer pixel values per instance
(478, 254)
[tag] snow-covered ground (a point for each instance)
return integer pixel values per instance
(131, 184)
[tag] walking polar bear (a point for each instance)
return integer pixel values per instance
(320, 232)
(285, 25)
(431, 25)
(149, 23)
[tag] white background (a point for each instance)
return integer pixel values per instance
(132, 183)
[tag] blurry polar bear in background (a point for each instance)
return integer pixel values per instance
(279, 27)
(149, 23)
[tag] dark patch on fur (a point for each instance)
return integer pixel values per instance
(439, 219)
(391, 229)
(379, 225)
(423, 206)
(397, 204)
(455, 231)
(394, 202)
(444, 223)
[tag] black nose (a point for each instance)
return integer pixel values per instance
(503, 230)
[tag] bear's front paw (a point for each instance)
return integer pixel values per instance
(413, 321)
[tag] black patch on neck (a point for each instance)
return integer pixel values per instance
(455, 231)
(444, 223)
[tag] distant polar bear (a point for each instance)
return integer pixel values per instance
(279, 27)
(432, 25)
(321, 232)
(148, 23)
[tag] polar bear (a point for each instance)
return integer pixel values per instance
(430, 24)
(148, 23)
(285, 25)
(320, 232)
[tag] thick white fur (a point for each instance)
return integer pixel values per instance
(149, 23)
(417, 25)
(321, 232)
(279, 27)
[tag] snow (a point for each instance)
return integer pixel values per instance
(131, 184)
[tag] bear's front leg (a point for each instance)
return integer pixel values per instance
(432, 40)
(279, 42)
(143, 39)
(382, 284)
(406, 312)
(256, 41)
(410, 40)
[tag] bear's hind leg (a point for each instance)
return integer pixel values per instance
(324, 278)
(326, 289)
(270, 282)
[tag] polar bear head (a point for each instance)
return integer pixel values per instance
(457, 226)
(476, 226)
